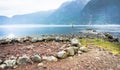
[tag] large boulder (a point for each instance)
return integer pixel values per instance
(62, 54)
(10, 63)
(36, 58)
(70, 50)
(75, 42)
(23, 59)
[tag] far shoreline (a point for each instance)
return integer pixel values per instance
(52, 25)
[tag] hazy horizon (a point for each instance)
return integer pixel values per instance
(10, 8)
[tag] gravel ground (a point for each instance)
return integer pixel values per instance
(94, 59)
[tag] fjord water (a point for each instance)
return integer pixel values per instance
(26, 30)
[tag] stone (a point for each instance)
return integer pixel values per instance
(27, 38)
(20, 40)
(75, 42)
(13, 58)
(71, 51)
(76, 49)
(15, 66)
(33, 40)
(118, 66)
(36, 58)
(40, 65)
(57, 39)
(83, 49)
(8, 40)
(29, 47)
(50, 39)
(70, 58)
(108, 35)
(10, 63)
(44, 58)
(80, 52)
(62, 54)
(49, 58)
(66, 39)
(40, 39)
(1, 61)
(23, 59)
(3, 66)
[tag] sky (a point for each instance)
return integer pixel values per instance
(13, 7)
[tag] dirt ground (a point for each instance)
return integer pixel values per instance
(94, 59)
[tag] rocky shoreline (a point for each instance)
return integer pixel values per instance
(49, 48)
(45, 38)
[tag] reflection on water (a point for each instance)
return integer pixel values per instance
(23, 30)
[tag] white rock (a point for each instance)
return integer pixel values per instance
(40, 65)
(3, 66)
(76, 49)
(71, 51)
(49, 58)
(75, 42)
(1, 61)
(80, 52)
(36, 58)
(33, 40)
(83, 49)
(10, 63)
(62, 54)
(23, 59)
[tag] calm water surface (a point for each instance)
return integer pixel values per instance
(32, 30)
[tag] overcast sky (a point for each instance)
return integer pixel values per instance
(12, 7)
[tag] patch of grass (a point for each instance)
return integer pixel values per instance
(110, 46)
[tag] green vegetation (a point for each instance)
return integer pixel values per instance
(113, 47)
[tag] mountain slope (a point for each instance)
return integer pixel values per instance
(101, 12)
(3, 20)
(73, 12)
(32, 18)
(68, 13)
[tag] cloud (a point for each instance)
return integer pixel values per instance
(12, 7)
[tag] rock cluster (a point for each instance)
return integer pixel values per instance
(110, 38)
(22, 40)
(73, 49)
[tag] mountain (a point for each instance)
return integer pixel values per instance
(4, 20)
(101, 12)
(32, 18)
(73, 12)
(68, 12)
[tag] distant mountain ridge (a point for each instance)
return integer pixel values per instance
(3, 20)
(73, 12)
